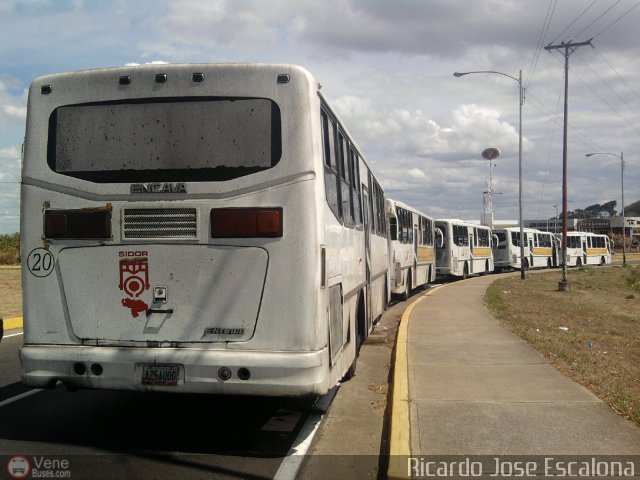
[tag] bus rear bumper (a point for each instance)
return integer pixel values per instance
(198, 370)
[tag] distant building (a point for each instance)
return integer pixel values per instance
(551, 224)
(595, 225)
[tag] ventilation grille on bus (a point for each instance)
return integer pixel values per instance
(159, 223)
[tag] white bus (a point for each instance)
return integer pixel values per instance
(411, 248)
(196, 228)
(540, 248)
(462, 248)
(586, 248)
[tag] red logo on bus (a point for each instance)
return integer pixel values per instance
(134, 279)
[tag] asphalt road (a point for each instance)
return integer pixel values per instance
(104, 434)
(115, 435)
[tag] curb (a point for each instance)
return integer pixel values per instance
(400, 425)
(13, 323)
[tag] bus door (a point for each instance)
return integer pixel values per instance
(415, 253)
(471, 246)
(367, 261)
(532, 240)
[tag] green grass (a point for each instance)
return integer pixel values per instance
(9, 249)
(590, 333)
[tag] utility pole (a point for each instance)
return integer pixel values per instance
(569, 48)
(624, 220)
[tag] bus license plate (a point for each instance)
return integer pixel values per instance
(160, 375)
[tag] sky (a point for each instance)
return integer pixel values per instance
(386, 67)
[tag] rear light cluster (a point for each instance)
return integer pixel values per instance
(78, 224)
(95, 224)
(246, 222)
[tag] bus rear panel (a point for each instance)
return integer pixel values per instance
(174, 232)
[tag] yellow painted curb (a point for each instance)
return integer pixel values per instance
(13, 323)
(400, 428)
(400, 424)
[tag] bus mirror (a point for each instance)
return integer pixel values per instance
(439, 238)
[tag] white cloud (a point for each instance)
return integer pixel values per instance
(386, 68)
(16, 112)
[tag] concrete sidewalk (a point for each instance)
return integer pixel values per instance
(476, 389)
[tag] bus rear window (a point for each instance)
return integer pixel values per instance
(176, 139)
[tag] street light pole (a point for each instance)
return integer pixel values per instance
(521, 102)
(624, 220)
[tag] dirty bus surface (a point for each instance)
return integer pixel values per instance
(196, 228)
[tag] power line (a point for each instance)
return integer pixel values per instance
(615, 21)
(598, 18)
(574, 21)
(579, 135)
(541, 38)
(603, 99)
(553, 135)
(610, 88)
(616, 72)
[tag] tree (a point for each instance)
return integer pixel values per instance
(605, 210)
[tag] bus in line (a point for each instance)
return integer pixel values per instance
(411, 248)
(462, 248)
(208, 228)
(540, 248)
(587, 248)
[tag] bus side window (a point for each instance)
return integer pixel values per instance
(345, 190)
(393, 228)
(373, 205)
(330, 166)
(355, 187)
(381, 224)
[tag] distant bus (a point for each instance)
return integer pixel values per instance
(540, 248)
(196, 228)
(462, 248)
(411, 248)
(586, 248)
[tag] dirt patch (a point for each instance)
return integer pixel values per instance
(10, 292)
(590, 333)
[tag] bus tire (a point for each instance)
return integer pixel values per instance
(548, 263)
(579, 262)
(385, 299)
(351, 371)
(526, 264)
(361, 324)
(602, 262)
(407, 287)
(465, 271)
(486, 269)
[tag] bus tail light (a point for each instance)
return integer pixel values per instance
(246, 222)
(78, 224)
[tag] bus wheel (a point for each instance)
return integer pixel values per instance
(486, 268)
(465, 271)
(361, 323)
(351, 372)
(407, 287)
(602, 262)
(526, 264)
(548, 263)
(579, 262)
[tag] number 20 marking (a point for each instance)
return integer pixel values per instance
(40, 262)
